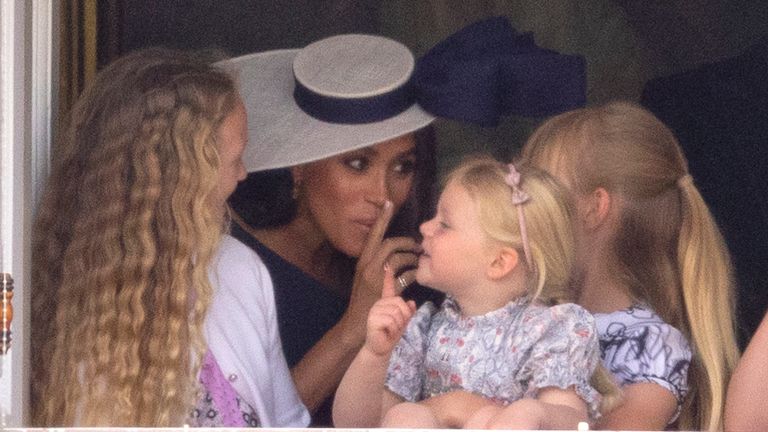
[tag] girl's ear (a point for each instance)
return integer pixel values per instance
(597, 207)
(504, 262)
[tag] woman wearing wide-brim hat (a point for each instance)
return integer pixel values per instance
(323, 192)
(342, 167)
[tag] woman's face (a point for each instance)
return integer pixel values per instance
(232, 137)
(343, 195)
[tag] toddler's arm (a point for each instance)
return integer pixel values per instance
(554, 408)
(644, 406)
(455, 408)
(361, 398)
(446, 411)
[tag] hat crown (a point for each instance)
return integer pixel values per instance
(353, 66)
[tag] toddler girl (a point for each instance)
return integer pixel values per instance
(500, 248)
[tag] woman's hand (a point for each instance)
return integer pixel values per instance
(398, 253)
(320, 370)
(388, 318)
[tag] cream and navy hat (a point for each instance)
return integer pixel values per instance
(351, 91)
(339, 94)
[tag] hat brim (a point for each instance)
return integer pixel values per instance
(280, 134)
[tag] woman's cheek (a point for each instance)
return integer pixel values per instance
(400, 194)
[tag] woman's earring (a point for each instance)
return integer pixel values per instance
(296, 176)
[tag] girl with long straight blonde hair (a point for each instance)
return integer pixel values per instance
(130, 219)
(652, 265)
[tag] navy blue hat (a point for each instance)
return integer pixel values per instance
(488, 70)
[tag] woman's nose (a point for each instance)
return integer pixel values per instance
(378, 189)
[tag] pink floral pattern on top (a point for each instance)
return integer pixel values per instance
(504, 355)
(220, 405)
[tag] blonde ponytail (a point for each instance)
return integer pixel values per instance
(667, 249)
(707, 285)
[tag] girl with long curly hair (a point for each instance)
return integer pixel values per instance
(130, 220)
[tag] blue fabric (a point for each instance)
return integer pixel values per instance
(487, 70)
(306, 309)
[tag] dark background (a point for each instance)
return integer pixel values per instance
(700, 65)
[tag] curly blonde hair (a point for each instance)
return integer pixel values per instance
(122, 242)
(668, 249)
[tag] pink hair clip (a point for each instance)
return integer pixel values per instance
(513, 180)
(519, 197)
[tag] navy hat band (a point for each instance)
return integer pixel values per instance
(354, 110)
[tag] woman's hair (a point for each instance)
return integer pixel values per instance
(668, 249)
(122, 242)
(547, 215)
(265, 198)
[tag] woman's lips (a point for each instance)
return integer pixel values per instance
(365, 224)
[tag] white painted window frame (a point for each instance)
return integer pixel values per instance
(28, 88)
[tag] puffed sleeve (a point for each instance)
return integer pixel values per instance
(566, 353)
(649, 351)
(241, 332)
(405, 375)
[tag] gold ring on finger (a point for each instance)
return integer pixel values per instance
(401, 280)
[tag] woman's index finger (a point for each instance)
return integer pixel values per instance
(377, 230)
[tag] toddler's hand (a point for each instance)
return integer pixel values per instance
(400, 252)
(521, 414)
(388, 318)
